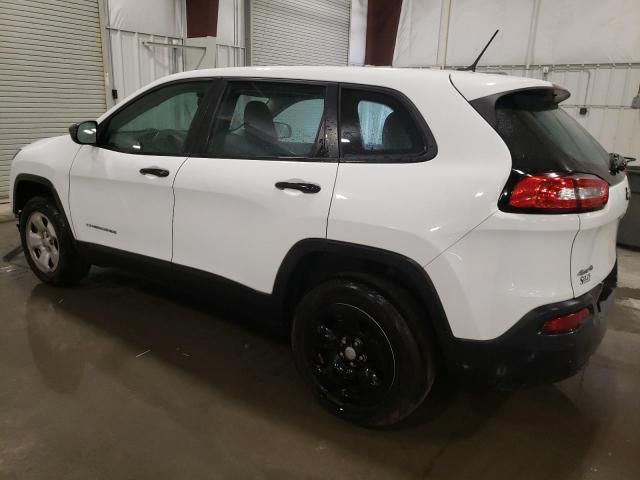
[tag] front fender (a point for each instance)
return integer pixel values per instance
(49, 159)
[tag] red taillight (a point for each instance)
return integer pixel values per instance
(565, 323)
(560, 194)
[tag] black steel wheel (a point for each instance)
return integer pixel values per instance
(350, 354)
(367, 352)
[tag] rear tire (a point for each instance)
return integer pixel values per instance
(365, 347)
(48, 244)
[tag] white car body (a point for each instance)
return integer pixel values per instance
(223, 215)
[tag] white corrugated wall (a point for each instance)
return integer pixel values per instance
(145, 39)
(299, 32)
(51, 74)
(138, 59)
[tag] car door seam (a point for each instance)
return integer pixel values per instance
(462, 237)
(73, 229)
(335, 181)
(575, 237)
(173, 207)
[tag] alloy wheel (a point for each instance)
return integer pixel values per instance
(42, 242)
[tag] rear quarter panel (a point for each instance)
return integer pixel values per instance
(502, 270)
(420, 209)
(489, 267)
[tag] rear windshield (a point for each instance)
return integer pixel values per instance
(542, 137)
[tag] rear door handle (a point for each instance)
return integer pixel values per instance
(303, 187)
(155, 171)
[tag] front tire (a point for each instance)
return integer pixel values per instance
(366, 349)
(48, 244)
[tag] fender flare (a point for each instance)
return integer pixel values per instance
(413, 274)
(28, 177)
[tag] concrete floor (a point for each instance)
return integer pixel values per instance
(121, 379)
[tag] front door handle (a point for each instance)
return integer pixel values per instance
(303, 187)
(155, 171)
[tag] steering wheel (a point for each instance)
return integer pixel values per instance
(147, 138)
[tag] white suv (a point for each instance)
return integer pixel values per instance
(402, 222)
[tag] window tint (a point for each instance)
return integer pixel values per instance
(374, 123)
(543, 137)
(237, 119)
(260, 119)
(158, 122)
(303, 117)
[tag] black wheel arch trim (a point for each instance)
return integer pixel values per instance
(414, 275)
(28, 177)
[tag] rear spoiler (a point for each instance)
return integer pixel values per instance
(560, 94)
(486, 106)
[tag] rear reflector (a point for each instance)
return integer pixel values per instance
(554, 193)
(566, 323)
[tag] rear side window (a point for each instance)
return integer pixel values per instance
(268, 120)
(542, 137)
(376, 124)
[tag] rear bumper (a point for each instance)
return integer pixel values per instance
(524, 355)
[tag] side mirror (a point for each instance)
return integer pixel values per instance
(84, 133)
(283, 130)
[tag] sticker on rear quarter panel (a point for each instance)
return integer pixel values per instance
(585, 275)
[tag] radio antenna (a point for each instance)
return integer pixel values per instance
(473, 66)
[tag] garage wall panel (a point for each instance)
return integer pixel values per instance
(604, 90)
(154, 17)
(472, 23)
(418, 31)
(299, 32)
(52, 71)
(589, 31)
(140, 58)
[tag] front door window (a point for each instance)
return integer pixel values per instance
(157, 123)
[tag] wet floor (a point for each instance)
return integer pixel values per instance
(122, 379)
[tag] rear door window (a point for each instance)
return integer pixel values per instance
(304, 118)
(268, 120)
(376, 124)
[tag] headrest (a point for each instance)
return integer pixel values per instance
(258, 120)
(394, 135)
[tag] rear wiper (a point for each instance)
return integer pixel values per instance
(618, 163)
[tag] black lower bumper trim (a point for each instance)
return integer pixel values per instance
(524, 355)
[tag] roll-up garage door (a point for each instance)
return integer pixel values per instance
(299, 32)
(51, 71)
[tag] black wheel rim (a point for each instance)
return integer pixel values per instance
(350, 356)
